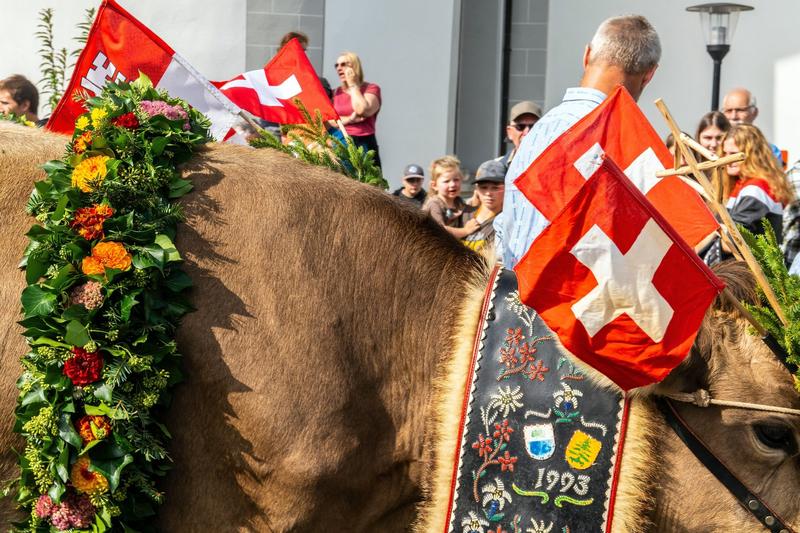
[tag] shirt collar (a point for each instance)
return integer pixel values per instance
(584, 93)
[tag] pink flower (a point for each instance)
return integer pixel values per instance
(44, 506)
(173, 112)
(90, 294)
(75, 511)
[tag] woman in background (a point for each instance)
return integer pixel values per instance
(357, 102)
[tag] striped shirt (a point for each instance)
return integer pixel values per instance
(520, 222)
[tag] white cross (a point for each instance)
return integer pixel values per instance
(642, 171)
(624, 281)
(267, 94)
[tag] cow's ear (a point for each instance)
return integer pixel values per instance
(695, 371)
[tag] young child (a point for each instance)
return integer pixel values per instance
(490, 186)
(412, 190)
(444, 202)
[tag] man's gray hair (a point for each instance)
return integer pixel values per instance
(629, 42)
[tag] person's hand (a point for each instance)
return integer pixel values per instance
(472, 225)
(350, 77)
(354, 117)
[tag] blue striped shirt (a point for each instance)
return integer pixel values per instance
(520, 222)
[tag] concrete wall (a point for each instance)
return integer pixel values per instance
(528, 64)
(269, 20)
(212, 40)
(764, 52)
(408, 49)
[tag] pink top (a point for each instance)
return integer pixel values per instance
(343, 106)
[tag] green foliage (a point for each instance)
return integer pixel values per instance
(121, 319)
(312, 143)
(786, 287)
(12, 117)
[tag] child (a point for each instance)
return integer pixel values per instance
(444, 202)
(490, 187)
(412, 190)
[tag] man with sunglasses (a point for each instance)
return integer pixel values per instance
(521, 119)
(412, 190)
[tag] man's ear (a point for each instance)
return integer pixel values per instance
(24, 107)
(755, 112)
(648, 76)
(586, 52)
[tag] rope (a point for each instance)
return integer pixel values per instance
(702, 398)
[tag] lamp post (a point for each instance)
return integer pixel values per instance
(719, 22)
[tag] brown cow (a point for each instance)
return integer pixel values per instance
(325, 311)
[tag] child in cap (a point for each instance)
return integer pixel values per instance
(490, 186)
(412, 190)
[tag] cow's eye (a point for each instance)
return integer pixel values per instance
(776, 436)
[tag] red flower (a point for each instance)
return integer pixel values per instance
(527, 352)
(84, 367)
(128, 120)
(502, 431)
(537, 371)
(88, 221)
(513, 336)
(507, 462)
(507, 357)
(483, 445)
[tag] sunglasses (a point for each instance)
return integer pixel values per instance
(337, 65)
(522, 127)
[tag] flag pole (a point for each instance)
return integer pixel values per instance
(341, 128)
(250, 122)
(722, 212)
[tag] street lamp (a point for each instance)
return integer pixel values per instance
(719, 22)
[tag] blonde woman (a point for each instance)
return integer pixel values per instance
(357, 102)
(755, 189)
(444, 202)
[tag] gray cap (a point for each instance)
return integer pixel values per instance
(522, 108)
(413, 171)
(491, 170)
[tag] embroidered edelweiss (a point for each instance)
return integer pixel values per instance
(473, 523)
(506, 401)
(496, 495)
(566, 400)
(525, 313)
(539, 527)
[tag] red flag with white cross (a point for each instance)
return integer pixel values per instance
(270, 92)
(617, 284)
(616, 128)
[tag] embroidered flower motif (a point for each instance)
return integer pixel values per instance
(98, 115)
(536, 371)
(75, 511)
(81, 142)
(567, 399)
(506, 462)
(495, 493)
(473, 523)
(528, 352)
(513, 336)
(483, 445)
(83, 367)
(128, 120)
(106, 255)
(539, 527)
(506, 401)
(502, 431)
(89, 173)
(82, 123)
(508, 357)
(88, 221)
(86, 481)
(90, 295)
(92, 428)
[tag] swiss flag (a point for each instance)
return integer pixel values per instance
(617, 128)
(117, 48)
(616, 283)
(269, 93)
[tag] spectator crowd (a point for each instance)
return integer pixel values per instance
(624, 51)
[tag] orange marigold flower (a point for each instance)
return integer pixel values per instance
(90, 172)
(88, 221)
(106, 255)
(81, 143)
(92, 428)
(86, 481)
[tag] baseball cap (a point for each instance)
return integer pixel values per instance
(491, 170)
(522, 108)
(413, 171)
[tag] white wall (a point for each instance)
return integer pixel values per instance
(763, 58)
(211, 38)
(406, 48)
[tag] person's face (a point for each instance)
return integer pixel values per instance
(341, 64)
(729, 148)
(412, 185)
(448, 185)
(519, 128)
(711, 138)
(8, 105)
(738, 110)
(491, 195)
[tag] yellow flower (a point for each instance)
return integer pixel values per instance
(98, 114)
(82, 123)
(89, 173)
(84, 480)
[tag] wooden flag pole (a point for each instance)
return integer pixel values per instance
(722, 212)
(341, 128)
(705, 165)
(702, 150)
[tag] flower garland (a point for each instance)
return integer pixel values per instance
(19, 119)
(104, 297)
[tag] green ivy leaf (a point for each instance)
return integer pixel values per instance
(128, 301)
(35, 395)
(166, 244)
(67, 432)
(37, 301)
(35, 268)
(111, 469)
(103, 392)
(77, 334)
(179, 187)
(158, 145)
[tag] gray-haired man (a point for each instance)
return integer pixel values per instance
(624, 51)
